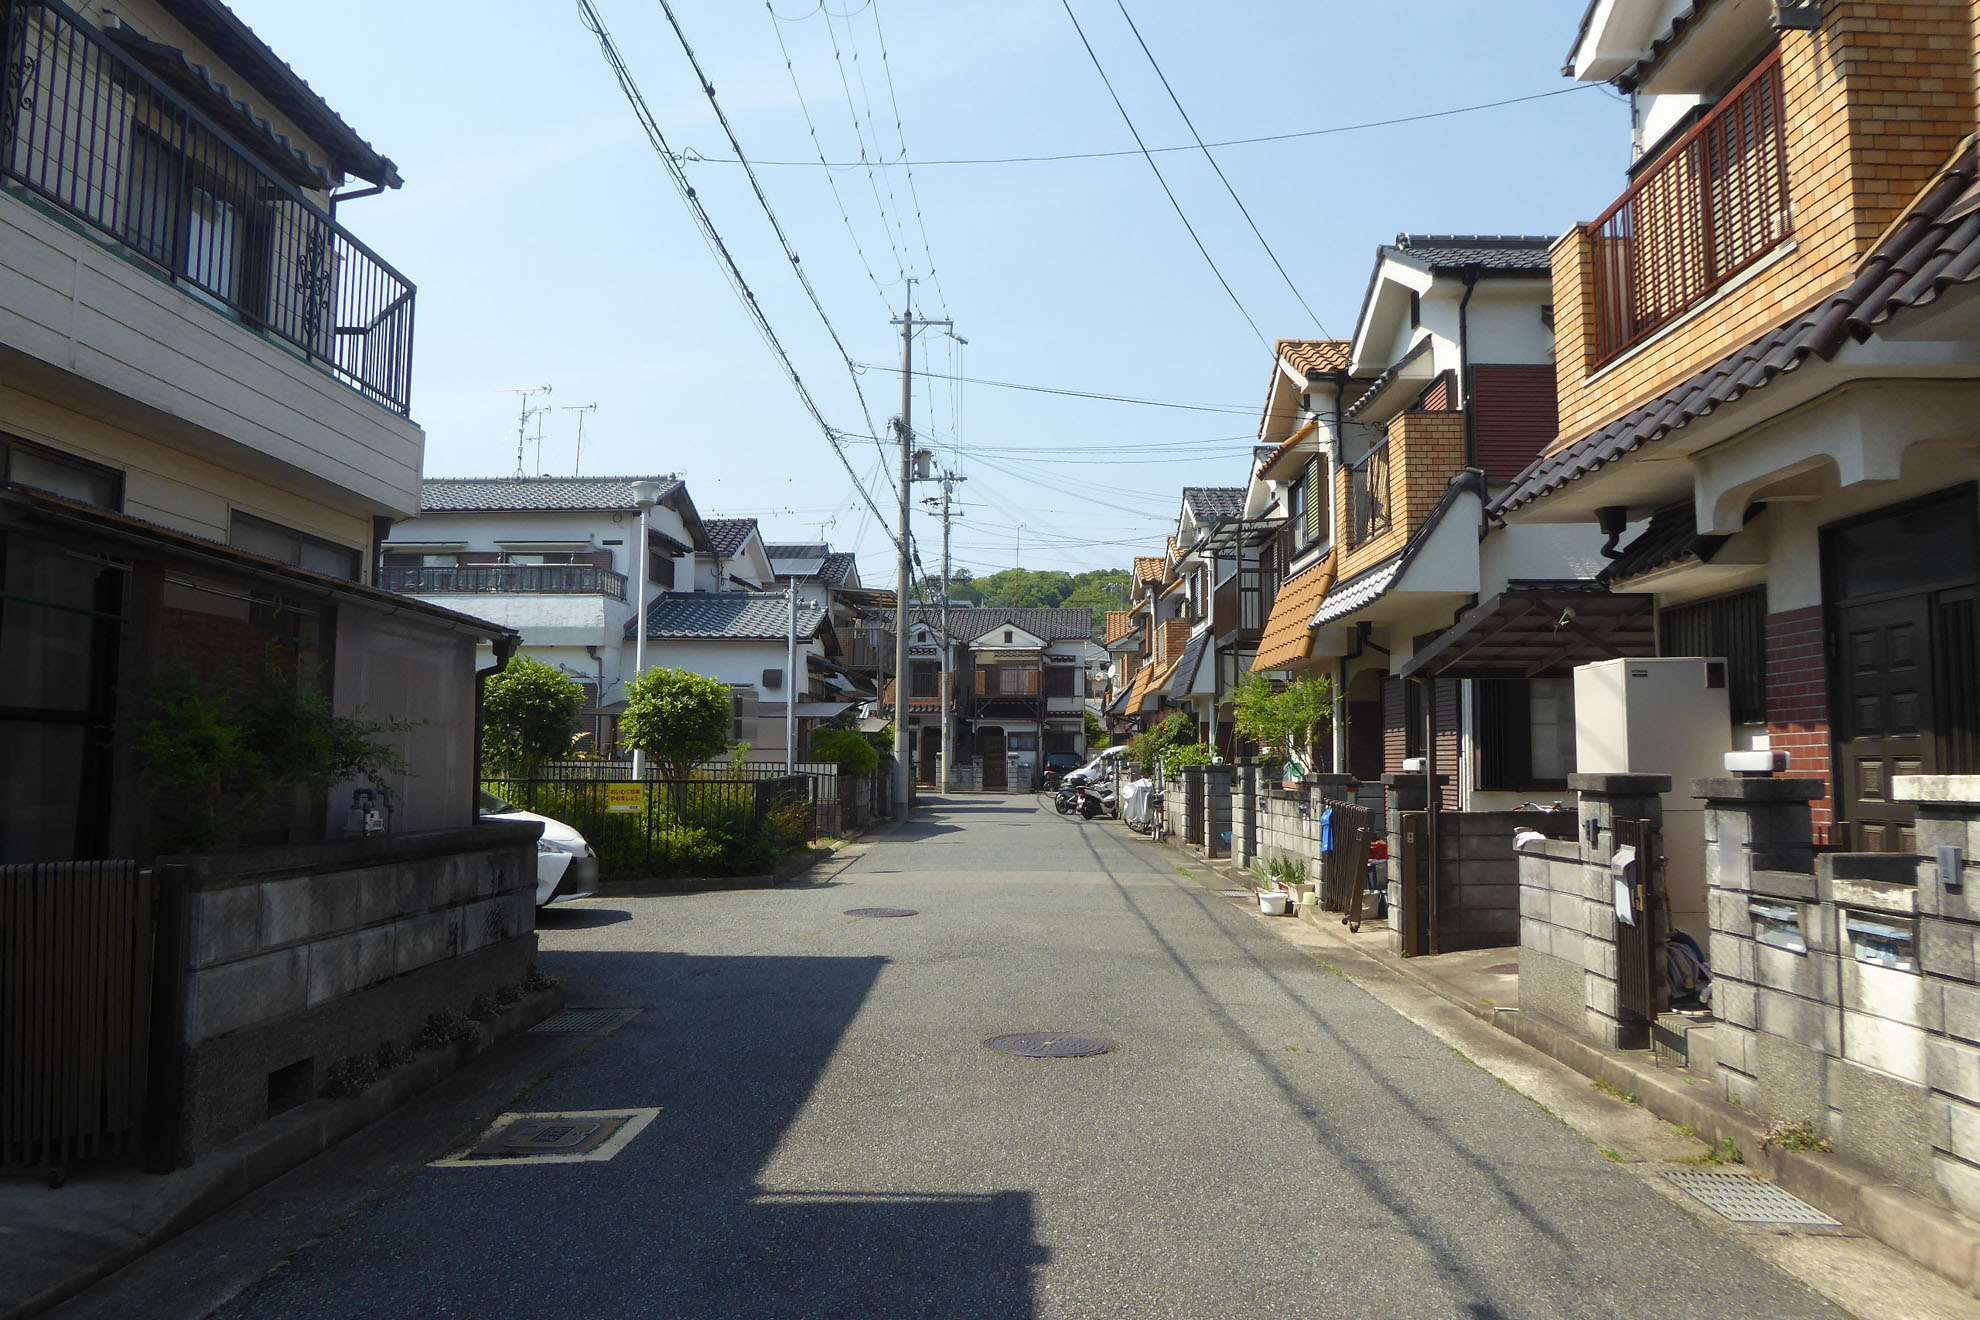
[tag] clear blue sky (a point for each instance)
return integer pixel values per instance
(549, 247)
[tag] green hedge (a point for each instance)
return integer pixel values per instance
(694, 829)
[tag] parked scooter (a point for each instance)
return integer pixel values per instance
(1095, 800)
(1067, 798)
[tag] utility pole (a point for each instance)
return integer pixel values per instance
(522, 420)
(904, 427)
(949, 480)
(790, 687)
(577, 457)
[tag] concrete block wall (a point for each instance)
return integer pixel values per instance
(1478, 882)
(296, 957)
(1244, 811)
(1287, 827)
(1192, 805)
(1217, 831)
(1847, 987)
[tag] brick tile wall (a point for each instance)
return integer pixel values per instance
(1798, 702)
(1425, 451)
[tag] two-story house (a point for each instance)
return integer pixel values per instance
(736, 558)
(556, 559)
(1386, 448)
(1767, 348)
(205, 420)
(862, 617)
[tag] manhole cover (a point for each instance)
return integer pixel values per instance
(1750, 1201)
(882, 912)
(583, 1022)
(573, 1137)
(1048, 1045)
(547, 1136)
(1503, 969)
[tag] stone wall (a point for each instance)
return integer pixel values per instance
(1216, 831)
(297, 957)
(1846, 988)
(1478, 902)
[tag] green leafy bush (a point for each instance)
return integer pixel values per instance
(678, 718)
(848, 750)
(1151, 746)
(1282, 720)
(1186, 756)
(529, 712)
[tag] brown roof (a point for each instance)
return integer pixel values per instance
(1315, 357)
(1149, 568)
(1288, 635)
(1173, 638)
(1933, 246)
(1292, 442)
(1119, 624)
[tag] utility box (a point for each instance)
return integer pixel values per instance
(1670, 715)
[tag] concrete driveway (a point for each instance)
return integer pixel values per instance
(833, 1138)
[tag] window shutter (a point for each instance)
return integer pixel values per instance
(1310, 479)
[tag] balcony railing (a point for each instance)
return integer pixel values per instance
(87, 128)
(1243, 602)
(1711, 205)
(512, 579)
(1368, 494)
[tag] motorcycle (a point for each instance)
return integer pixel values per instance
(1095, 801)
(1066, 799)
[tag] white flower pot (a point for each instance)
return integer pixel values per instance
(1274, 902)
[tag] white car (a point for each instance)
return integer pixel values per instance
(566, 867)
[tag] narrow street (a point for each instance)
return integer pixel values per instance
(833, 1137)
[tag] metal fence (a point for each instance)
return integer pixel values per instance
(675, 827)
(518, 579)
(88, 128)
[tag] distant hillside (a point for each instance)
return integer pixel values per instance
(1100, 590)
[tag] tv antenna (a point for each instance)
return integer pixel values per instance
(522, 421)
(580, 409)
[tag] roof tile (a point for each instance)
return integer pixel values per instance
(512, 494)
(728, 616)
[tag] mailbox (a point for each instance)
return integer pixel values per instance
(1881, 941)
(1778, 925)
(1626, 880)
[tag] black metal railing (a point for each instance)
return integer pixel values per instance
(520, 579)
(1368, 493)
(86, 127)
(668, 828)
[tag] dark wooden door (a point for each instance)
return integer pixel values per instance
(1884, 664)
(1364, 740)
(996, 770)
(931, 755)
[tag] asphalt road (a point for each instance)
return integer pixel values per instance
(834, 1139)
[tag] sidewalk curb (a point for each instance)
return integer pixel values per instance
(1861, 1200)
(791, 867)
(289, 1140)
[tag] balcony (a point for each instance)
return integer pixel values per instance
(506, 579)
(1243, 602)
(91, 133)
(871, 654)
(1369, 495)
(1708, 207)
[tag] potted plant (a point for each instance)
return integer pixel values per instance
(1275, 881)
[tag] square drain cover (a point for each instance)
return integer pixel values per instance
(1749, 1200)
(583, 1022)
(571, 1137)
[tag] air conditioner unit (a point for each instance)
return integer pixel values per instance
(773, 678)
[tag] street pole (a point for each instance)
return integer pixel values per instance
(904, 424)
(790, 688)
(645, 495)
(949, 481)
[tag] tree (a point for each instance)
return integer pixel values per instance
(1096, 733)
(1282, 720)
(680, 719)
(528, 715)
(1156, 743)
(845, 748)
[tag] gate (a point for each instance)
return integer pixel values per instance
(1344, 867)
(75, 1011)
(1417, 913)
(1638, 950)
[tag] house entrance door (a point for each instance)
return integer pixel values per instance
(1903, 642)
(996, 768)
(931, 754)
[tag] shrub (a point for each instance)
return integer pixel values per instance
(391, 1054)
(445, 1029)
(529, 712)
(850, 751)
(1282, 720)
(349, 1077)
(508, 995)
(1185, 756)
(535, 981)
(482, 1007)
(677, 718)
(1150, 747)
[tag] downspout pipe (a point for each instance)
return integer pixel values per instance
(505, 651)
(1471, 274)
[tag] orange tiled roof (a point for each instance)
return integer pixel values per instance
(1149, 568)
(1288, 639)
(1323, 357)
(1119, 624)
(1291, 442)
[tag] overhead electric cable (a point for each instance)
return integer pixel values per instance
(1102, 396)
(1211, 157)
(865, 161)
(872, 129)
(900, 135)
(1166, 191)
(718, 247)
(698, 158)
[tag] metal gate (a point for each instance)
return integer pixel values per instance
(1344, 867)
(1638, 949)
(1418, 912)
(75, 1011)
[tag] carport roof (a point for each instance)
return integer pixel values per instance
(1536, 628)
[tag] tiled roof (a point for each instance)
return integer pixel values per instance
(1670, 538)
(1149, 568)
(509, 494)
(1494, 254)
(1315, 357)
(1183, 676)
(1934, 246)
(1120, 623)
(729, 616)
(1210, 503)
(806, 550)
(1358, 591)
(967, 623)
(1288, 637)
(726, 536)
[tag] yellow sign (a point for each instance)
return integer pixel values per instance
(625, 797)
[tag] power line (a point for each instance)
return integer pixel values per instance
(776, 26)
(859, 136)
(1211, 157)
(698, 158)
(914, 193)
(1166, 192)
(1102, 396)
(763, 200)
(717, 246)
(872, 131)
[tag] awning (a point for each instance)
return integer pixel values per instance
(1181, 681)
(1288, 635)
(808, 710)
(1537, 628)
(1286, 460)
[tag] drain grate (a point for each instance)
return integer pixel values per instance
(583, 1022)
(573, 1137)
(1749, 1200)
(1048, 1045)
(882, 912)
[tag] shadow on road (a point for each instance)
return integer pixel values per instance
(561, 917)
